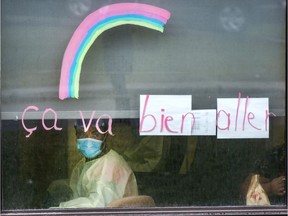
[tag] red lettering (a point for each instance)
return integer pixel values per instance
(144, 116)
(86, 127)
(169, 118)
(162, 120)
(192, 121)
(50, 110)
(109, 129)
(250, 117)
(244, 118)
(55, 120)
(30, 130)
(228, 120)
(267, 118)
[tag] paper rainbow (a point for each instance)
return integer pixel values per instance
(92, 26)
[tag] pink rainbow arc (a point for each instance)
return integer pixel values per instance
(92, 26)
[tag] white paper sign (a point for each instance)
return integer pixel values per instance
(242, 118)
(205, 122)
(162, 114)
(172, 115)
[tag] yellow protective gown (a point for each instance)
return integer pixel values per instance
(143, 154)
(98, 182)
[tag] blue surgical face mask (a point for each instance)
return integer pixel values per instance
(89, 147)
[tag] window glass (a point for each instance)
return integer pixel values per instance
(209, 50)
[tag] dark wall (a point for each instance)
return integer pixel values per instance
(30, 164)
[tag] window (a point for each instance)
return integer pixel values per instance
(209, 50)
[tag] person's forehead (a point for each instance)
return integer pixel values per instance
(91, 123)
(89, 129)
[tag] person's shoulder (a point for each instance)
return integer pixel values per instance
(112, 152)
(113, 157)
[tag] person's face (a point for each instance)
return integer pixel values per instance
(91, 133)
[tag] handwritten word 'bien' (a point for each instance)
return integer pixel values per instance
(164, 122)
(55, 118)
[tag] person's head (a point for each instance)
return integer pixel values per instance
(91, 142)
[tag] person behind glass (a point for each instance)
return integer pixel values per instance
(102, 175)
(272, 174)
